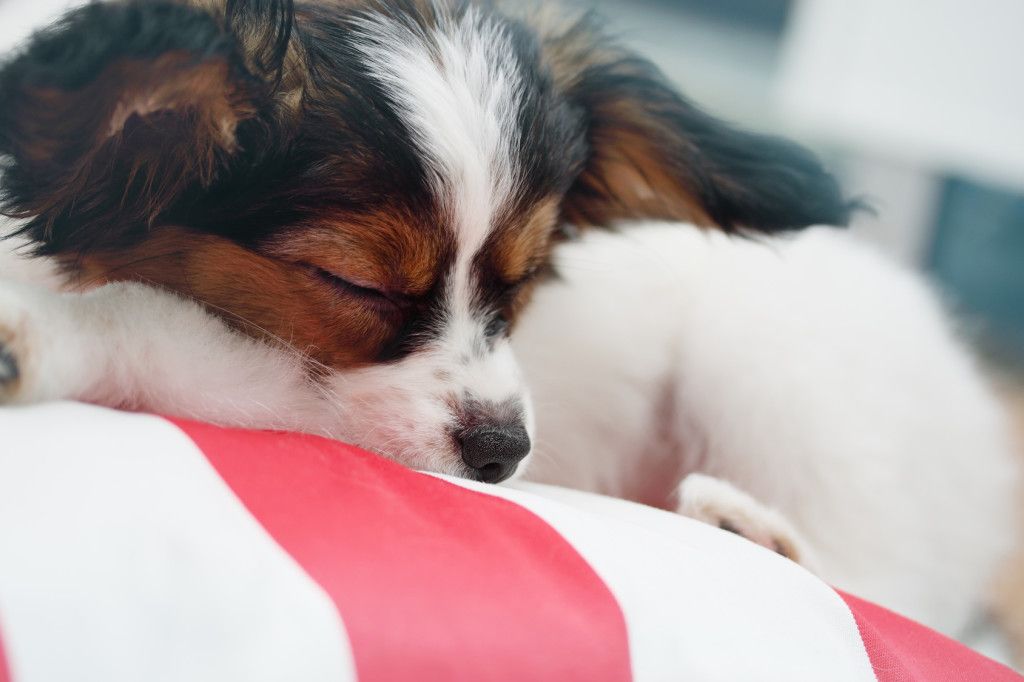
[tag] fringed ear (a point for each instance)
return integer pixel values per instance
(112, 115)
(653, 154)
(264, 28)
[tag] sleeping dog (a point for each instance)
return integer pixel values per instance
(486, 243)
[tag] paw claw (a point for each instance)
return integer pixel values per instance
(718, 503)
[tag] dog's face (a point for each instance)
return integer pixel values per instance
(377, 185)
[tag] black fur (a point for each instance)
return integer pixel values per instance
(265, 28)
(635, 119)
(81, 188)
(742, 179)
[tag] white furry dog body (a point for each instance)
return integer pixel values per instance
(809, 372)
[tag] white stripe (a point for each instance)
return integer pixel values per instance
(701, 604)
(124, 557)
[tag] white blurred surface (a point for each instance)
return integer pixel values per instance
(725, 67)
(19, 18)
(933, 83)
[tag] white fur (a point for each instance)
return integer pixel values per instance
(809, 372)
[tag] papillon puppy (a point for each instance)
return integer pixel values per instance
(483, 242)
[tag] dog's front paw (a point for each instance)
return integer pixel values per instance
(10, 374)
(32, 362)
(14, 315)
(720, 504)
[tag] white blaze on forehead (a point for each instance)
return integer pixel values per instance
(457, 87)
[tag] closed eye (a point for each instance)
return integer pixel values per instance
(497, 326)
(348, 286)
(368, 294)
(513, 288)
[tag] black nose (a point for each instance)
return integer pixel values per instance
(494, 451)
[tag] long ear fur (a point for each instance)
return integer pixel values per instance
(653, 154)
(113, 114)
(264, 28)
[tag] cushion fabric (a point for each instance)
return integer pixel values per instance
(134, 547)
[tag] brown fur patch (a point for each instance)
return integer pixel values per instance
(629, 176)
(517, 255)
(524, 242)
(257, 294)
(386, 250)
(173, 83)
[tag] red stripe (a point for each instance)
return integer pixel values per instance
(432, 581)
(904, 651)
(5, 670)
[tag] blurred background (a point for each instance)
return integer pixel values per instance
(917, 104)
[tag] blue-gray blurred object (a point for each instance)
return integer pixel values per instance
(978, 256)
(769, 15)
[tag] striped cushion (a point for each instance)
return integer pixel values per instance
(138, 548)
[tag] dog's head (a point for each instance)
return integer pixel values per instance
(377, 184)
